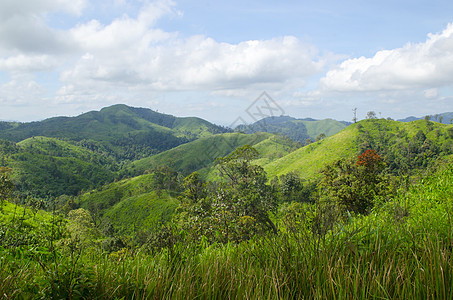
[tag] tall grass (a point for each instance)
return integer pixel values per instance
(402, 250)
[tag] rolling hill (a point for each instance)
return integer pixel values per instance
(403, 145)
(202, 152)
(297, 129)
(120, 131)
(52, 167)
(131, 204)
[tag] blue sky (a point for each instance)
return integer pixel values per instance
(212, 59)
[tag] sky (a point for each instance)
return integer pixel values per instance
(214, 59)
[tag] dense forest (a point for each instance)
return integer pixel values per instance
(200, 212)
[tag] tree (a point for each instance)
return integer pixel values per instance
(195, 188)
(320, 137)
(371, 115)
(246, 192)
(6, 184)
(353, 185)
(292, 188)
(166, 178)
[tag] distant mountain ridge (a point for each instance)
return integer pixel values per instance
(297, 129)
(125, 132)
(444, 118)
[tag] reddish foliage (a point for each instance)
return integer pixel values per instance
(369, 159)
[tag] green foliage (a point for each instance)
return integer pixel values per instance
(354, 185)
(198, 154)
(293, 189)
(298, 130)
(130, 205)
(119, 131)
(236, 209)
(194, 188)
(401, 250)
(157, 236)
(6, 184)
(405, 146)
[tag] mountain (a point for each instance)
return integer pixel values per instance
(120, 131)
(444, 118)
(404, 146)
(297, 129)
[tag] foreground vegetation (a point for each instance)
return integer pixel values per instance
(401, 249)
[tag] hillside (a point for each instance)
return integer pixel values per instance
(297, 129)
(120, 131)
(444, 118)
(48, 166)
(130, 205)
(399, 143)
(200, 153)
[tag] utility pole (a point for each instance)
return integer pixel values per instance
(355, 115)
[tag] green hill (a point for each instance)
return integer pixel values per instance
(130, 205)
(198, 154)
(297, 129)
(120, 131)
(48, 166)
(403, 145)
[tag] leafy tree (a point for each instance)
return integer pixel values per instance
(195, 188)
(292, 188)
(246, 191)
(233, 210)
(321, 136)
(6, 184)
(354, 185)
(166, 178)
(371, 115)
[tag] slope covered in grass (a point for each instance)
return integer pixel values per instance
(130, 205)
(399, 143)
(198, 154)
(309, 160)
(297, 129)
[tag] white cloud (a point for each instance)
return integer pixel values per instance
(130, 55)
(431, 93)
(23, 27)
(132, 52)
(10, 8)
(422, 65)
(20, 90)
(28, 63)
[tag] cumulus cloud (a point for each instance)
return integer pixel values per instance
(20, 90)
(28, 63)
(422, 65)
(131, 52)
(23, 27)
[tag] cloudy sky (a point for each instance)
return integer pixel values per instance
(212, 59)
